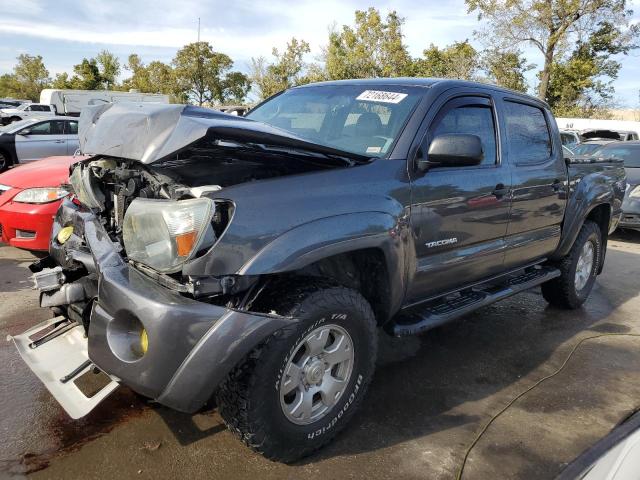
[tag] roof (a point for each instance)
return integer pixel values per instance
(423, 82)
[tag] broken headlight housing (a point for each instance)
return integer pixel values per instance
(163, 234)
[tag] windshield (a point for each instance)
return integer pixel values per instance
(628, 153)
(359, 119)
(586, 148)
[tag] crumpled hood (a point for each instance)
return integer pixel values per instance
(148, 132)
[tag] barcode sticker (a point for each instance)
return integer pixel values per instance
(381, 96)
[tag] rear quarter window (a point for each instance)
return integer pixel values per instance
(527, 134)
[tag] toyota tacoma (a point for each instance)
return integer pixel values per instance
(252, 261)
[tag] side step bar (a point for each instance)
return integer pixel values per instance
(451, 307)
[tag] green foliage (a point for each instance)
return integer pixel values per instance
(29, 77)
(581, 84)
(459, 60)
(552, 26)
(87, 75)
(506, 68)
(288, 69)
(204, 75)
(109, 67)
(373, 47)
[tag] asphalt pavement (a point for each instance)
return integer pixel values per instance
(430, 397)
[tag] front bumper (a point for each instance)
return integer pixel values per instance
(25, 225)
(192, 345)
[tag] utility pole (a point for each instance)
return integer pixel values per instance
(198, 29)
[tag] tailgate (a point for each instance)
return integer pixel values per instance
(56, 351)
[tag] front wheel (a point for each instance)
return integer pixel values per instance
(578, 270)
(295, 392)
(4, 162)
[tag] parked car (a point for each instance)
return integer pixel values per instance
(588, 147)
(24, 111)
(30, 196)
(12, 102)
(71, 102)
(570, 138)
(253, 258)
(34, 139)
(628, 130)
(629, 153)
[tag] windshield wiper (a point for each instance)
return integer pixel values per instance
(344, 157)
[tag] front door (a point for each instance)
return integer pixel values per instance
(459, 215)
(41, 140)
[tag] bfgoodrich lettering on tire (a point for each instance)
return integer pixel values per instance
(296, 391)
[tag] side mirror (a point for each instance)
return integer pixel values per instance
(25, 132)
(453, 150)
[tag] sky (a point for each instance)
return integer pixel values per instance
(66, 31)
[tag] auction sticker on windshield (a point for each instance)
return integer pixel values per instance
(381, 96)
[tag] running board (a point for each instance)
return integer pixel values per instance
(451, 307)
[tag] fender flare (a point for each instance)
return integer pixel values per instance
(592, 192)
(330, 236)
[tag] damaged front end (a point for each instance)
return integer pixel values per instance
(125, 304)
(113, 318)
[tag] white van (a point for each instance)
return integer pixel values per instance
(627, 129)
(71, 102)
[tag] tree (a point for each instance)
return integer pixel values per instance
(459, 60)
(87, 75)
(372, 48)
(581, 84)
(62, 81)
(286, 71)
(506, 69)
(29, 77)
(552, 25)
(109, 68)
(204, 75)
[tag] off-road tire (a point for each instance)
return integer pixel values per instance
(561, 291)
(249, 399)
(4, 161)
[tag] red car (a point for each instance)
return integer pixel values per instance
(29, 198)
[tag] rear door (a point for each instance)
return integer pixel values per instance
(71, 135)
(40, 140)
(459, 215)
(539, 176)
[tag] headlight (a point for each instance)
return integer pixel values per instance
(40, 195)
(163, 234)
(635, 193)
(85, 188)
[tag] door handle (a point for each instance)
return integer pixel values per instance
(60, 141)
(500, 191)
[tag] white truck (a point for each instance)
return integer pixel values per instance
(26, 110)
(71, 102)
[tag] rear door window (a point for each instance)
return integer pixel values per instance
(527, 134)
(72, 128)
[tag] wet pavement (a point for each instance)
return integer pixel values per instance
(430, 397)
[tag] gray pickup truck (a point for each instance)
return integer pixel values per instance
(254, 260)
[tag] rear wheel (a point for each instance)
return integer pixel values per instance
(4, 162)
(14, 119)
(294, 393)
(578, 270)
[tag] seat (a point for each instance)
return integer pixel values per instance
(368, 125)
